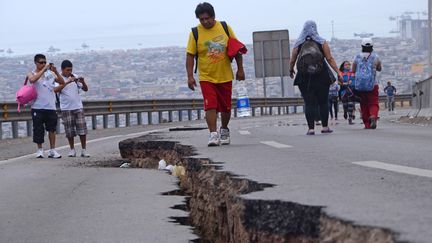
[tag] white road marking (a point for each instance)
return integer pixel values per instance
(7, 161)
(396, 168)
(250, 127)
(275, 144)
(244, 132)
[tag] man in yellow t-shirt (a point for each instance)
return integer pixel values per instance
(215, 72)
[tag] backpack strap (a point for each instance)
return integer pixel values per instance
(195, 35)
(225, 27)
(367, 58)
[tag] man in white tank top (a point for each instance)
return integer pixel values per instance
(43, 110)
(72, 107)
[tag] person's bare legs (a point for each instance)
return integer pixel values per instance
(71, 142)
(39, 152)
(52, 139)
(225, 118)
(224, 131)
(211, 119)
(83, 141)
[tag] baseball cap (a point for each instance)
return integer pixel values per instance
(367, 42)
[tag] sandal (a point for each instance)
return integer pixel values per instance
(328, 130)
(310, 132)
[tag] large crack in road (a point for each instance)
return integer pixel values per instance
(220, 214)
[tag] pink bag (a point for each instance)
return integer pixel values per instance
(25, 94)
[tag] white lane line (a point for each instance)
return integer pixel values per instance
(275, 144)
(244, 132)
(396, 168)
(7, 161)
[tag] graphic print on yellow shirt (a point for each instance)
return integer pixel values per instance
(214, 64)
(216, 51)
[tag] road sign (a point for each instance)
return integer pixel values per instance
(271, 55)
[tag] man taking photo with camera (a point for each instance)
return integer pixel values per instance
(43, 110)
(71, 107)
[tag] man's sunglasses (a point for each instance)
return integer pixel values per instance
(42, 62)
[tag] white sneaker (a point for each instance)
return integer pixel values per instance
(213, 139)
(84, 153)
(53, 154)
(39, 153)
(72, 153)
(225, 136)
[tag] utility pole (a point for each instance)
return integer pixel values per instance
(333, 36)
(430, 35)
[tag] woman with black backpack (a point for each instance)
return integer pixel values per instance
(314, 76)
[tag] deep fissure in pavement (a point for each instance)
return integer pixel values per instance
(220, 214)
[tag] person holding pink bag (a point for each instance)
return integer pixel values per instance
(43, 110)
(25, 95)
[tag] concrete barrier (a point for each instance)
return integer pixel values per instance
(422, 102)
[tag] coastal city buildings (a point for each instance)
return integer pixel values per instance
(158, 73)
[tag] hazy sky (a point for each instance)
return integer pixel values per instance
(32, 26)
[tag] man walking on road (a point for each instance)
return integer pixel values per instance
(390, 91)
(209, 44)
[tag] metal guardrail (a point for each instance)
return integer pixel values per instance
(193, 108)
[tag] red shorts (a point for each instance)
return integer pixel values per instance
(217, 96)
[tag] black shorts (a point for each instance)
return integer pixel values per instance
(43, 120)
